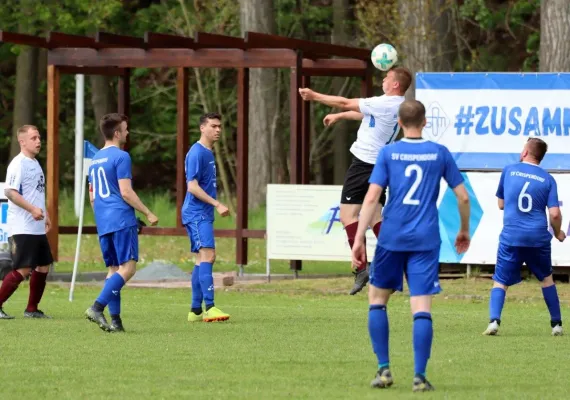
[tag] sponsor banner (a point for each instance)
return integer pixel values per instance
(484, 119)
(303, 222)
(3, 216)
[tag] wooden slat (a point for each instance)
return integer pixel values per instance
(166, 41)
(174, 58)
(242, 164)
(106, 39)
(61, 40)
(23, 39)
(182, 139)
(108, 71)
(296, 109)
(214, 41)
(124, 100)
(334, 67)
(305, 135)
(263, 40)
(52, 179)
(155, 231)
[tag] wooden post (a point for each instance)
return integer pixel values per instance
(52, 179)
(306, 136)
(182, 139)
(242, 167)
(367, 82)
(124, 100)
(296, 131)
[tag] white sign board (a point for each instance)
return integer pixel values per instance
(303, 224)
(484, 119)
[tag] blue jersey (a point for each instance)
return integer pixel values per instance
(527, 190)
(200, 166)
(112, 213)
(412, 170)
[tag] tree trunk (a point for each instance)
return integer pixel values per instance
(554, 33)
(341, 142)
(426, 42)
(259, 16)
(25, 98)
(103, 100)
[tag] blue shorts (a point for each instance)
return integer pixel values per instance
(421, 269)
(201, 234)
(510, 260)
(120, 247)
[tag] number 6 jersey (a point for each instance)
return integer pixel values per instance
(112, 213)
(527, 190)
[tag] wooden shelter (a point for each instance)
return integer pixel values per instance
(117, 55)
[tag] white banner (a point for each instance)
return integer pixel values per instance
(3, 216)
(484, 119)
(303, 223)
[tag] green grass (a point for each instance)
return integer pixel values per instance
(287, 340)
(175, 249)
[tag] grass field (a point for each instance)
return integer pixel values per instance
(287, 340)
(175, 249)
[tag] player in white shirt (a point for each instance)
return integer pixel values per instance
(28, 224)
(379, 127)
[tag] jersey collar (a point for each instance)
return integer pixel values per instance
(409, 140)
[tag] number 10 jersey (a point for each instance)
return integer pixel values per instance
(112, 213)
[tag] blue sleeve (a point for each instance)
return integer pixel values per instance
(553, 194)
(452, 175)
(380, 174)
(192, 166)
(501, 189)
(123, 166)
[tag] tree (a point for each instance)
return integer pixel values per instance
(554, 34)
(259, 16)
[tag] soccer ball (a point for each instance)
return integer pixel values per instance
(384, 56)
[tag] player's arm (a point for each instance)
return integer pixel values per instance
(330, 119)
(11, 191)
(331, 101)
(132, 199)
(128, 194)
(554, 213)
(195, 189)
(501, 192)
(91, 197)
(454, 179)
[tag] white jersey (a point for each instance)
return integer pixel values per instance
(378, 128)
(25, 175)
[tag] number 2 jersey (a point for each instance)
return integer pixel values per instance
(527, 190)
(412, 169)
(112, 213)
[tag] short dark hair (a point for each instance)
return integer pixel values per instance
(404, 77)
(110, 123)
(211, 115)
(537, 148)
(412, 113)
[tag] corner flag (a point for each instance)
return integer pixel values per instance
(89, 151)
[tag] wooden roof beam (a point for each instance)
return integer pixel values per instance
(173, 58)
(155, 40)
(263, 40)
(22, 39)
(110, 40)
(58, 39)
(214, 41)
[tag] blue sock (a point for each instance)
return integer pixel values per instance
(496, 304)
(207, 283)
(197, 296)
(552, 302)
(115, 304)
(423, 335)
(379, 333)
(111, 289)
